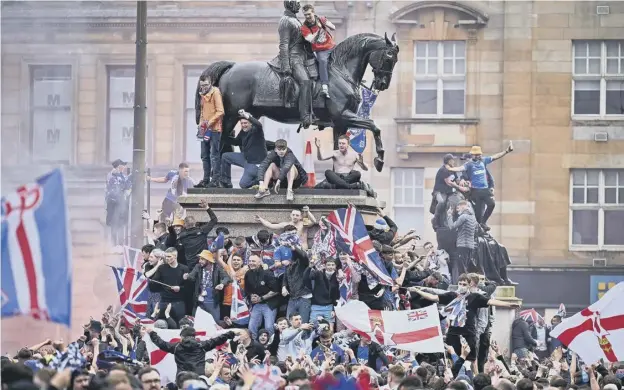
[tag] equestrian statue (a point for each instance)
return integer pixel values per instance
(285, 89)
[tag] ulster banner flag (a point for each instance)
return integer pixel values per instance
(598, 331)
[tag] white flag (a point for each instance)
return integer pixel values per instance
(410, 330)
(598, 331)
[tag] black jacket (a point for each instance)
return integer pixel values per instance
(325, 291)
(195, 239)
(262, 282)
(284, 165)
(219, 276)
(189, 353)
(521, 335)
(384, 237)
(293, 277)
(374, 352)
(252, 143)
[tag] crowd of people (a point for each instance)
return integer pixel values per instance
(291, 286)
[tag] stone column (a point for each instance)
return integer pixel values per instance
(504, 317)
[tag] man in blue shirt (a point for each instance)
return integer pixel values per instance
(180, 183)
(480, 193)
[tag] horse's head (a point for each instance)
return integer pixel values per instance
(383, 61)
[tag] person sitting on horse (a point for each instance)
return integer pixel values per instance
(210, 126)
(316, 30)
(280, 169)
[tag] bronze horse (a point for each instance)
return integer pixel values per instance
(255, 87)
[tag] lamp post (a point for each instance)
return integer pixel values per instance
(138, 145)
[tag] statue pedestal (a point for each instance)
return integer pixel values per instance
(504, 317)
(236, 208)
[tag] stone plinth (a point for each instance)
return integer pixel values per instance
(236, 208)
(504, 317)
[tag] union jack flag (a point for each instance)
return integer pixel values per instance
(352, 237)
(267, 377)
(133, 294)
(132, 258)
(239, 312)
(417, 315)
(530, 315)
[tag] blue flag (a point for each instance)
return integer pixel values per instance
(357, 137)
(36, 251)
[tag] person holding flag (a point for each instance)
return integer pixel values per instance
(461, 309)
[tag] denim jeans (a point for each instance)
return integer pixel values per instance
(215, 156)
(301, 306)
(250, 171)
(205, 157)
(177, 309)
(212, 307)
(323, 57)
(321, 311)
(258, 312)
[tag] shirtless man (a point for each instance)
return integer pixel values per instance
(342, 176)
(296, 219)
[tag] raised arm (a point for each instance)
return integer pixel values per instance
(213, 217)
(162, 344)
(426, 295)
(319, 154)
(271, 225)
(496, 156)
(460, 168)
(497, 303)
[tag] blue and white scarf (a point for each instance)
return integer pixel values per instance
(456, 311)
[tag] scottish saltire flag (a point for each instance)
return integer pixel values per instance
(352, 237)
(357, 137)
(133, 294)
(36, 251)
(239, 312)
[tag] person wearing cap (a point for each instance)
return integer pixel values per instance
(445, 185)
(210, 279)
(384, 229)
(117, 188)
(476, 173)
(253, 151)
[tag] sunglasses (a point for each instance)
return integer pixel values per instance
(281, 148)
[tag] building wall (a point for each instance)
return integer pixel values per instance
(518, 87)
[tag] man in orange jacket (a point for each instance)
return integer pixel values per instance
(210, 129)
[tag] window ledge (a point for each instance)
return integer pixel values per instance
(596, 248)
(597, 121)
(446, 121)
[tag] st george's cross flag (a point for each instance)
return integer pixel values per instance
(36, 251)
(415, 330)
(598, 331)
(205, 328)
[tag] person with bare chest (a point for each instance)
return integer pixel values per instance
(296, 220)
(343, 176)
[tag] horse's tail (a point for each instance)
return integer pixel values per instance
(214, 71)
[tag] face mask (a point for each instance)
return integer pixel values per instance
(462, 289)
(481, 285)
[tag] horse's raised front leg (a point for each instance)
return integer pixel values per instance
(350, 119)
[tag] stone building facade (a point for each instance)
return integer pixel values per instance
(547, 75)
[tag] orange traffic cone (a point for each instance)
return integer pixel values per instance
(308, 165)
